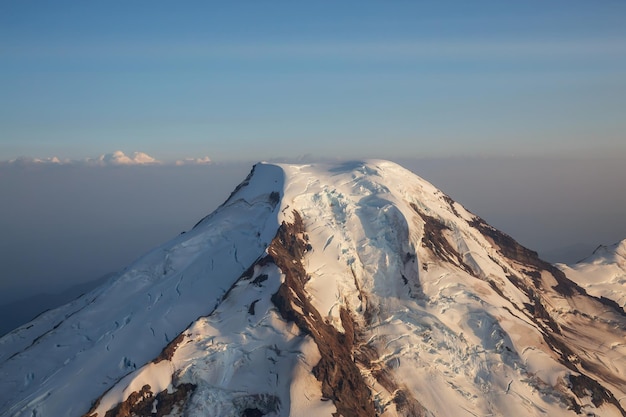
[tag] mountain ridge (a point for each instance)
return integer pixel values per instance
(367, 291)
(603, 273)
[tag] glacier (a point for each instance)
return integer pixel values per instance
(353, 289)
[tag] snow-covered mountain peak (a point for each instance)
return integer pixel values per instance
(353, 289)
(615, 253)
(603, 273)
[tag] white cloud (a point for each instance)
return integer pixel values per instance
(194, 161)
(120, 158)
(26, 161)
(117, 158)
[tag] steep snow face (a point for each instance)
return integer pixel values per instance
(603, 274)
(58, 364)
(376, 295)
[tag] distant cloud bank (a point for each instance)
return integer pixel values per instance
(120, 158)
(194, 161)
(117, 158)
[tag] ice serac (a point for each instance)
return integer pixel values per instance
(350, 289)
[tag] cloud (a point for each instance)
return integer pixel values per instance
(194, 161)
(117, 158)
(26, 161)
(120, 158)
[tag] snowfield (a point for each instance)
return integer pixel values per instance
(602, 274)
(355, 288)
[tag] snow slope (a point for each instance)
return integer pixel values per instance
(120, 326)
(602, 274)
(355, 288)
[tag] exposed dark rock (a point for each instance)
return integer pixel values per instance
(435, 240)
(258, 280)
(509, 248)
(612, 304)
(407, 404)
(583, 386)
(142, 403)
(552, 333)
(249, 272)
(251, 308)
(168, 352)
(451, 202)
(337, 369)
(138, 403)
(274, 198)
(252, 412)
(341, 379)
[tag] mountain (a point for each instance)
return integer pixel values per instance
(352, 289)
(603, 274)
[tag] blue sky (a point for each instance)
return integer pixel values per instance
(450, 89)
(257, 80)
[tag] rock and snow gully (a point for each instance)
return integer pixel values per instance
(350, 289)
